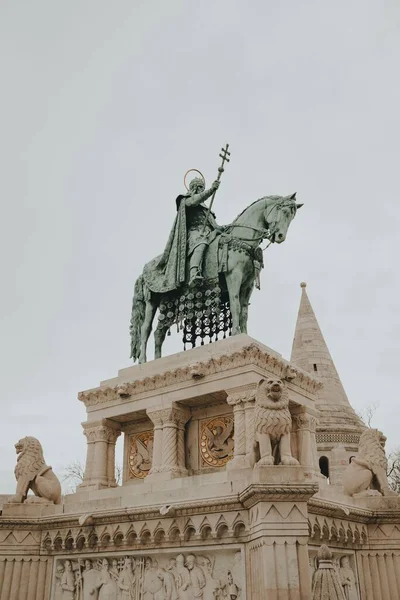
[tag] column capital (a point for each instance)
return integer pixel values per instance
(305, 419)
(174, 414)
(240, 395)
(101, 431)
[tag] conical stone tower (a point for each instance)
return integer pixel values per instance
(339, 427)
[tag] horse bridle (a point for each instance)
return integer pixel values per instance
(263, 233)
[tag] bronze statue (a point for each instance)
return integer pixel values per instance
(204, 279)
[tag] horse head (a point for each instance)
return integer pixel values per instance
(279, 213)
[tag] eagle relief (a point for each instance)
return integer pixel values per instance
(217, 441)
(140, 454)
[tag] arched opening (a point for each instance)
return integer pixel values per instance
(324, 466)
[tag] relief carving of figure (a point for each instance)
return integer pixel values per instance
(127, 580)
(366, 474)
(232, 590)
(197, 579)
(194, 577)
(169, 586)
(183, 578)
(152, 584)
(68, 582)
(106, 583)
(89, 578)
(32, 473)
(347, 579)
(58, 591)
(272, 423)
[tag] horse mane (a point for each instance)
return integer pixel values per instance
(255, 202)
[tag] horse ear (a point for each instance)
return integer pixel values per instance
(293, 196)
(299, 205)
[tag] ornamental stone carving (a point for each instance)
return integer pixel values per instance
(216, 441)
(140, 454)
(272, 424)
(208, 576)
(250, 354)
(366, 474)
(32, 473)
(169, 440)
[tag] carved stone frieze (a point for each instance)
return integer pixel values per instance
(336, 530)
(343, 437)
(164, 576)
(251, 354)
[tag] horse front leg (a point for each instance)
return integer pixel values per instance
(146, 329)
(159, 337)
(234, 283)
(245, 294)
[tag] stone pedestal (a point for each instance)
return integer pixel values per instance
(195, 510)
(31, 510)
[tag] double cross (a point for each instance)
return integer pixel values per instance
(224, 155)
(225, 158)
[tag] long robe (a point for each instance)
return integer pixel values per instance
(167, 272)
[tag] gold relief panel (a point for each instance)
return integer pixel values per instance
(140, 454)
(216, 441)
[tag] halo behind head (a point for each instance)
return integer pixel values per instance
(195, 171)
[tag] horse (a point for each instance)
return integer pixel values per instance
(266, 218)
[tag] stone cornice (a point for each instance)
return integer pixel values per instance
(266, 492)
(124, 515)
(251, 354)
(317, 506)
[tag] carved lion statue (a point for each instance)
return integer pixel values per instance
(31, 472)
(366, 473)
(272, 424)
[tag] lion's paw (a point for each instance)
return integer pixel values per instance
(17, 499)
(265, 461)
(289, 460)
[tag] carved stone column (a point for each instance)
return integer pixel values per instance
(100, 458)
(306, 423)
(155, 417)
(113, 435)
(169, 444)
(241, 400)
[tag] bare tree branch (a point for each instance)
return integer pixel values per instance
(74, 474)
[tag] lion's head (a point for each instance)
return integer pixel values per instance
(371, 448)
(30, 459)
(272, 393)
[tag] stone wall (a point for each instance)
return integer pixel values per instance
(25, 577)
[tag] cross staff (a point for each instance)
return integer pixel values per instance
(221, 169)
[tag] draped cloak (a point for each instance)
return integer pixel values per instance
(167, 272)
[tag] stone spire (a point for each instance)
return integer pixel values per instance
(339, 427)
(310, 352)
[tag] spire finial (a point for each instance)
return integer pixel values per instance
(303, 284)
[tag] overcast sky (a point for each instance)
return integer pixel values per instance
(105, 105)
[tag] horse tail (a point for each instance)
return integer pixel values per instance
(137, 318)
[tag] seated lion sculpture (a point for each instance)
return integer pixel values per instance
(272, 424)
(366, 473)
(32, 473)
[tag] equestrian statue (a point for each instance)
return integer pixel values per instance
(203, 281)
